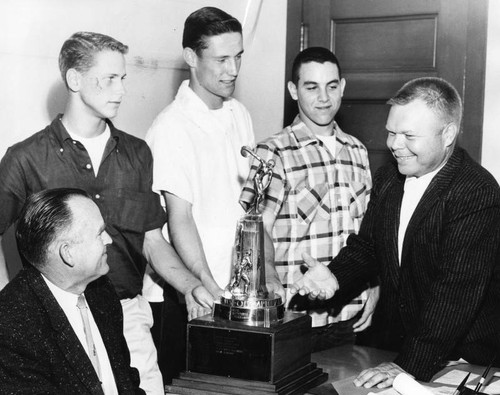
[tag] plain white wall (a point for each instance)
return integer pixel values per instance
(32, 32)
(491, 128)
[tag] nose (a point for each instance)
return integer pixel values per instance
(323, 95)
(120, 89)
(106, 238)
(395, 141)
(233, 66)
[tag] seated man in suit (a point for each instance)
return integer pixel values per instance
(61, 326)
(432, 233)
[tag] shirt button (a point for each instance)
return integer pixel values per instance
(88, 166)
(97, 196)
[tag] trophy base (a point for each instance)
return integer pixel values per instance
(228, 357)
(250, 311)
(298, 382)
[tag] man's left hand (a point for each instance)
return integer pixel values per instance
(366, 319)
(381, 376)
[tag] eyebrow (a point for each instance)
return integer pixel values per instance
(229, 56)
(335, 81)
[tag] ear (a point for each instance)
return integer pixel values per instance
(190, 56)
(342, 86)
(73, 79)
(450, 134)
(292, 88)
(66, 255)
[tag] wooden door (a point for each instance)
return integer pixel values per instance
(381, 44)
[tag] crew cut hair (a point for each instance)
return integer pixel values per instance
(204, 23)
(313, 54)
(438, 94)
(44, 217)
(78, 51)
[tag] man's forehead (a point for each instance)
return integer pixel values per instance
(109, 61)
(326, 70)
(225, 44)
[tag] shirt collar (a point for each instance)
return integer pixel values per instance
(66, 300)
(304, 136)
(186, 95)
(62, 134)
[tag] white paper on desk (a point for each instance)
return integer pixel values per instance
(434, 391)
(406, 385)
(455, 377)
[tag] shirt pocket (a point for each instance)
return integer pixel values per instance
(312, 203)
(127, 210)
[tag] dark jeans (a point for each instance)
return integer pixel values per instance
(169, 334)
(333, 335)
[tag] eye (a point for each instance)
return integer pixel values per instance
(332, 87)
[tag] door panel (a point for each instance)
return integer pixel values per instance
(382, 44)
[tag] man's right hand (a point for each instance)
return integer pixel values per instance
(199, 302)
(318, 282)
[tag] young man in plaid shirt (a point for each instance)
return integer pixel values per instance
(318, 195)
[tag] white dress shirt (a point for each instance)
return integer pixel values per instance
(413, 191)
(67, 301)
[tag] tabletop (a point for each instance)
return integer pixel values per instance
(343, 364)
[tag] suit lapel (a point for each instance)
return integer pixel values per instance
(65, 336)
(431, 196)
(391, 226)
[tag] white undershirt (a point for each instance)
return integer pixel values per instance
(413, 191)
(94, 145)
(329, 141)
(67, 301)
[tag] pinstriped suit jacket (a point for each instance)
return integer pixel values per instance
(39, 351)
(444, 299)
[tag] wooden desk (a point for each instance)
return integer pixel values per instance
(345, 362)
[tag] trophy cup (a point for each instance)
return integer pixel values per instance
(249, 344)
(246, 298)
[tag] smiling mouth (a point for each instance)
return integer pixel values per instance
(403, 157)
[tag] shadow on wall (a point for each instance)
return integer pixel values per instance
(56, 100)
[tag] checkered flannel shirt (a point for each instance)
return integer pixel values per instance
(318, 199)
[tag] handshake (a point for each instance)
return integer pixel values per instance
(318, 282)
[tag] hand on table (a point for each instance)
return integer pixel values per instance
(381, 376)
(199, 302)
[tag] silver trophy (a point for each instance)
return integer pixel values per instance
(246, 298)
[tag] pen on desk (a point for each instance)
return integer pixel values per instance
(483, 377)
(461, 385)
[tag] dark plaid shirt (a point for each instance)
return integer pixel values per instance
(122, 190)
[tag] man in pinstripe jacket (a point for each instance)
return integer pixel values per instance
(432, 233)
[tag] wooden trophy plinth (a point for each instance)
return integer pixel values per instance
(226, 357)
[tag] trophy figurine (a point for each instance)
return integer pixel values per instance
(246, 298)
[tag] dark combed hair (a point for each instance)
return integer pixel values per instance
(438, 94)
(313, 54)
(44, 216)
(207, 22)
(79, 50)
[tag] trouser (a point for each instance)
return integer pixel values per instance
(333, 335)
(137, 322)
(169, 333)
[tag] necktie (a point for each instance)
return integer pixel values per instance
(82, 306)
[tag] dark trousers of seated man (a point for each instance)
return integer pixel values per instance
(169, 334)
